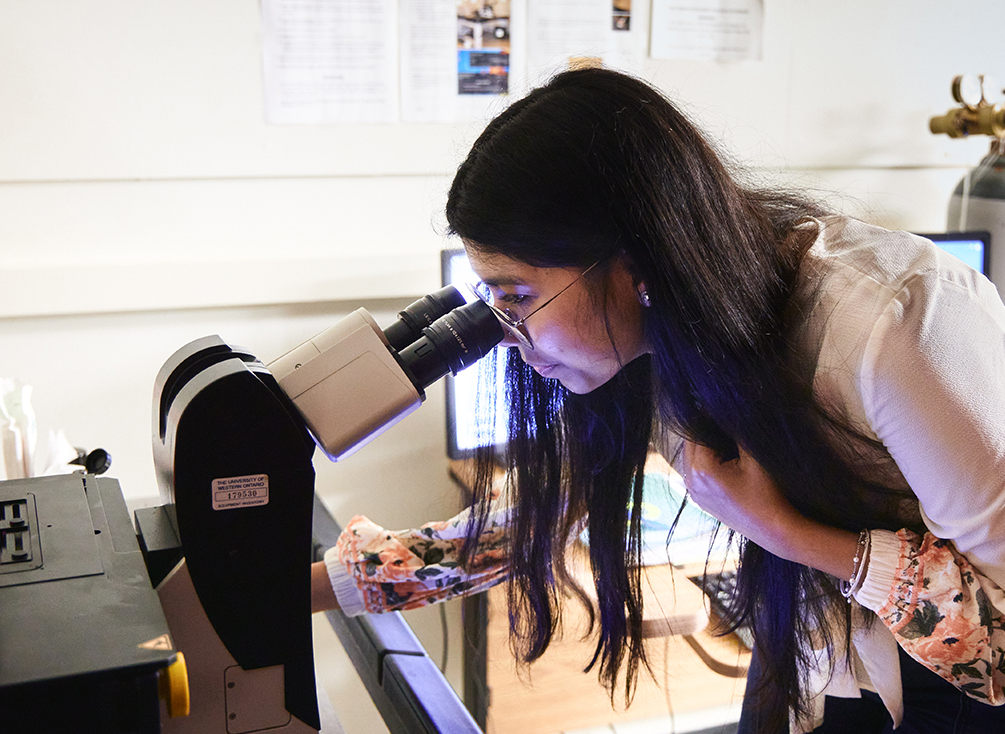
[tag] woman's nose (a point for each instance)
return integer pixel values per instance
(509, 341)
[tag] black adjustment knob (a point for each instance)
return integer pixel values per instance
(98, 461)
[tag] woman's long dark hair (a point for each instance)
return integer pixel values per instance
(590, 166)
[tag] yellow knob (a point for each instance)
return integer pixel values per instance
(174, 687)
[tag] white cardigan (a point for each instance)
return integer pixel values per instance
(912, 349)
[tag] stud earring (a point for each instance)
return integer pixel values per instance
(644, 298)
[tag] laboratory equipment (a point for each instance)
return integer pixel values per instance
(978, 201)
(84, 643)
(233, 447)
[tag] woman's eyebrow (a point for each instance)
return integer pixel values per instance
(504, 280)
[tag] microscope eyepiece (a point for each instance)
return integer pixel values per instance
(421, 314)
(451, 343)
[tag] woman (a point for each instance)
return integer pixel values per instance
(838, 389)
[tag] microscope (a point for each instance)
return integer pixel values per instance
(230, 549)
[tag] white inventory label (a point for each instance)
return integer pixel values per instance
(234, 492)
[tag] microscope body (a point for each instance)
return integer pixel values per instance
(237, 478)
(230, 550)
(347, 385)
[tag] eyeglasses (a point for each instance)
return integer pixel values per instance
(515, 325)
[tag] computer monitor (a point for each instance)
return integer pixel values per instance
(973, 248)
(476, 397)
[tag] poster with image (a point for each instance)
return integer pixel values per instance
(483, 46)
(622, 20)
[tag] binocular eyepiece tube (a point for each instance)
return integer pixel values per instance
(421, 314)
(458, 338)
(354, 380)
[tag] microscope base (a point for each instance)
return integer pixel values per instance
(225, 698)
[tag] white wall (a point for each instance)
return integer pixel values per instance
(144, 202)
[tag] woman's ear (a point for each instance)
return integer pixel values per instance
(640, 286)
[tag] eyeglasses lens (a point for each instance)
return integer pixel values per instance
(510, 322)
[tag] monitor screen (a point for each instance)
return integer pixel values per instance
(476, 414)
(973, 248)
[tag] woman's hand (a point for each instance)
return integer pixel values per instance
(737, 492)
(741, 495)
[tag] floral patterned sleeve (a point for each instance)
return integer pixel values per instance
(945, 614)
(377, 570)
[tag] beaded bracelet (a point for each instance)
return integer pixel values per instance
(854, 582)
